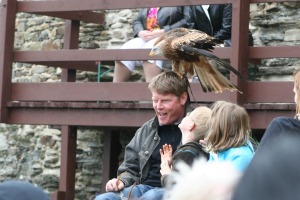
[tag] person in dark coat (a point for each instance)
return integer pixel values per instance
(215, 20)
(284, 125)
(15, 190)
(274, 172)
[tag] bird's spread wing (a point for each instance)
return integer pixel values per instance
(191, 51)
(196, 39)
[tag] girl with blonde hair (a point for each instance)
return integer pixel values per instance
(228, 138)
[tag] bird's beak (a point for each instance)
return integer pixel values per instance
(151, 54)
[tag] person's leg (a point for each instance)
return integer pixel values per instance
(132, 192)
(151, 67)
(137, 191)
(123, 69)
(155, 193)
(121, 72)
(150, 70)
(109, 196)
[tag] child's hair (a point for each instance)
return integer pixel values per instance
(168, 83)
(229, 126)
(200, 117)
(297, 89)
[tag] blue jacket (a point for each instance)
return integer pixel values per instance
(239, 156)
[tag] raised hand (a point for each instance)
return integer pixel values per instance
(166, 159)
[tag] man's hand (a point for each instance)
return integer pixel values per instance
(114, 185)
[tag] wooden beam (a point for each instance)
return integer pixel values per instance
(78, 5)
(83, 55)
(117, 118)
(259, 92)
(239, 39)
(70, 42)
(274, 52)
(81, 117)
(111, 151)
(68, 161)
(86, 60)
(7, 22)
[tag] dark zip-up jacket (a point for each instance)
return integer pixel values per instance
(220, 23)
(135, 167)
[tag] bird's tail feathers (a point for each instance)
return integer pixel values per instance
(225, 64)
(212, 80)
(211, 56)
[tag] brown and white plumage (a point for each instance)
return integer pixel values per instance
(190, 53)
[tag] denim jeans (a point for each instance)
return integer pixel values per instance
(141, 192)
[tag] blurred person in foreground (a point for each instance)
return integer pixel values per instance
(15, 190)
(204, 181)
(274, 172)
(284, 125)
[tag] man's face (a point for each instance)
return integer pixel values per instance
(168, 107)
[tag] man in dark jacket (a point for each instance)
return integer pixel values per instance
(139, 175)
(215, 20)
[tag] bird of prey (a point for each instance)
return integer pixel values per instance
(191, 52)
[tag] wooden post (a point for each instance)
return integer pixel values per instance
(7, 34)
(239, 58)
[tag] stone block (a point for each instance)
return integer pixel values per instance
(292, 35)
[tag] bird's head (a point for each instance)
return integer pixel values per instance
(157, 50)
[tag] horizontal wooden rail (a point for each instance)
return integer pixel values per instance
(107, 91)
(79, 5)
(87, 59)
(78, 55)
(119, 115)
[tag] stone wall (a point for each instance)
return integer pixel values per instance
(31, 152)
(276, 24)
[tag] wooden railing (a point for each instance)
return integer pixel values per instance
(108, 105)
